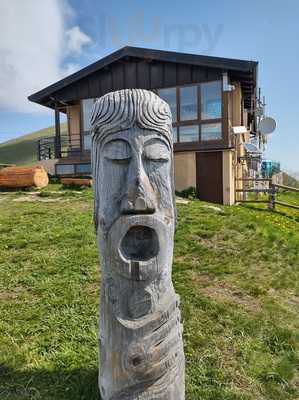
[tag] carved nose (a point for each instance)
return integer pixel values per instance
(137, 205)
(139, 198)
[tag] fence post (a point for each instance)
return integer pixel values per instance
(272, 193)
(38, 150)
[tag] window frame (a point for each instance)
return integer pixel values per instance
(199, 121)
(82, 131)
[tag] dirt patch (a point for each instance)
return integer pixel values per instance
(214, 208)
(11, 294)
(222, 291)
(34, 198)
(180, 200)
(203, 279)
(294, 301)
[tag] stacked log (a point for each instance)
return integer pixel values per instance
(23, 177)
(76, 181)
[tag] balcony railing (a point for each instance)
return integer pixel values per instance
(75, 145)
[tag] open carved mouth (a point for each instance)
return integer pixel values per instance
(140, 243)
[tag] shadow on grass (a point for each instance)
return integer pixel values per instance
(274, 212)
(42, 384)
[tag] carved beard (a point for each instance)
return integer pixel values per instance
(140, 331)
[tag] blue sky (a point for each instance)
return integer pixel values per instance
(75, 33)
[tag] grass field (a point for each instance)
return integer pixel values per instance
(23, 150)
(236, 270)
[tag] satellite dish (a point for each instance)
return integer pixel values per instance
(267, 125)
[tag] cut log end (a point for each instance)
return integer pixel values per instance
(23, 177)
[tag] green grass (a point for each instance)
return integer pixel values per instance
(23, 150)
(235, 268)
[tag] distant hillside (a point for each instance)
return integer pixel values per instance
(290, 180)
(23, 150)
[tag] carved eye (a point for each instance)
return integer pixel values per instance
(156, 151)
(118, 151)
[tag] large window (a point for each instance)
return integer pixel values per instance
(189, 133)
(211, 100)
(211, 131)
(169, 95)
(87, 105)
(196, 111)
(175, 134)
(188, 103)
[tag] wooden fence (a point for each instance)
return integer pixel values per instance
(267, 187)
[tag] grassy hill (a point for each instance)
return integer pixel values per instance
(289, 180)
(23, 150)
(235, 268)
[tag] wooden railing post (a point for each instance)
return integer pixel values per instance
(57, 134)
(272, 193)
(38, 150)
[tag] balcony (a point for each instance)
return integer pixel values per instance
(66, 146)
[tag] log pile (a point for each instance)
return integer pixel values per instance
(23, 177)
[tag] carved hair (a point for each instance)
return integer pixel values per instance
(120, 110)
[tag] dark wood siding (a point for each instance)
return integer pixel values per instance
(146, 74)
(209, 178)
(138, 73)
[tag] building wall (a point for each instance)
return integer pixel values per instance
(185, 170)
(239, 170)
(228, 178)
(74, 124)
(236, 105)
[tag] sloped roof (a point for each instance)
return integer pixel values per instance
(243, 67)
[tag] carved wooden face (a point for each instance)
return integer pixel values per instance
(136, 176)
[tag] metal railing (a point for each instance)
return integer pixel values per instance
(75, 145)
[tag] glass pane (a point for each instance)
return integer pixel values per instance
(188, 103)
(87, 141)
(189, 133)
(211, 131)
(62, 169)
(175, 134)
(169, 95)
(211, 100)
(83, 169)
(87, 105)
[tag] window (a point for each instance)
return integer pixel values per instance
(87, 105)
(175, 134)
(188, 103)
(83, 169)
(196, 111)
(189, 133)
(169, 95)
(86, 141)
(211, 132)
(211, 100)
(62, 169)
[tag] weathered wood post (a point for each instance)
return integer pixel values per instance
(141, 347)
(271, 197)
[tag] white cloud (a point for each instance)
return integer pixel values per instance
(76, 39)
(34, 42)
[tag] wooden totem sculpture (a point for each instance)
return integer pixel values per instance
(141, 347)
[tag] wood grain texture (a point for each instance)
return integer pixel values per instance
(22, 177)
(76, 181)
(141, 346)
